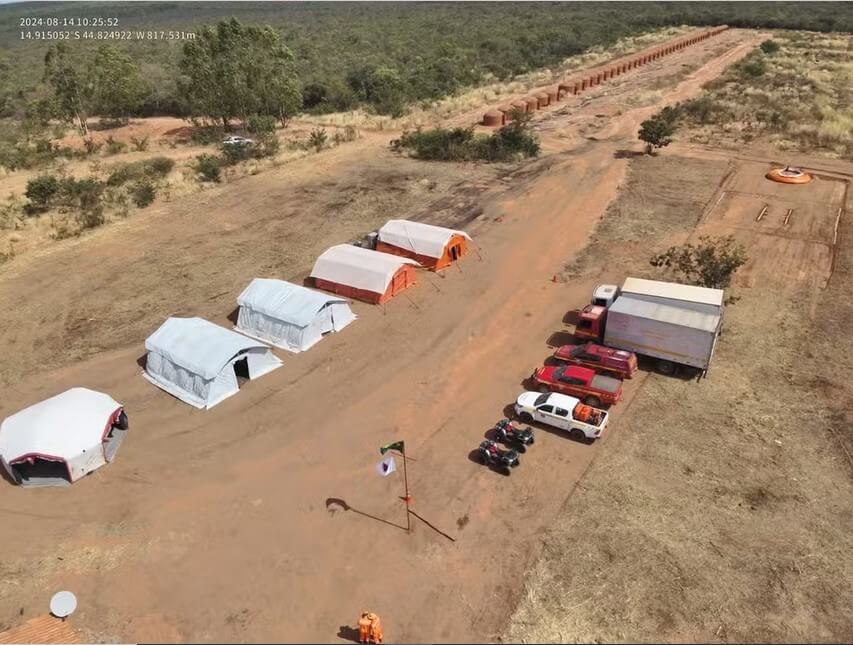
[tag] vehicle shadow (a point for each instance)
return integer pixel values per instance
(682, 373)
(560, 338)
(529, 384)
(142, 361)
(571, 317)
(474, 456)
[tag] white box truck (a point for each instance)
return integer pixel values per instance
(676, 324)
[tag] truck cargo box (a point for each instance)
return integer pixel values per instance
(673, 333)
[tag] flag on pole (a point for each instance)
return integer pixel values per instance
(397, 445)
(386, 466)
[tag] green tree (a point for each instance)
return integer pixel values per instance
(41, 191)
(381, 86)
(234, 70)
(710, 263)
(657, 132)
(116, 87)
(68, 88)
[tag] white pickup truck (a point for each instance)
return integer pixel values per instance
(562, 411)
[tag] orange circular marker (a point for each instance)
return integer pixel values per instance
(789, 175)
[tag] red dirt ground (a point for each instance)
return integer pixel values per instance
(214, 525)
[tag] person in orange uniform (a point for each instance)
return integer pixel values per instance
(364, 627)
(375, 628)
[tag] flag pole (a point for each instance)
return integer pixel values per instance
(407, 498)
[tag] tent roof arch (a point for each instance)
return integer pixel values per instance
(285, 301)
(358, 267)
(417, 237)
(199, 346)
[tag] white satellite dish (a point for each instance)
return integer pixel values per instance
(63, 604)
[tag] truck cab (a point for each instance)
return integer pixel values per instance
(604, 294)
(590, 325)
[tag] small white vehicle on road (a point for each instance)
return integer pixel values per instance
(237, 141)
(582, 422)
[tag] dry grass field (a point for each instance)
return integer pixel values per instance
(722, 510)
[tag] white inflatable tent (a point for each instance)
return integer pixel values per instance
(199, 362)
(57, 441)
(289, 316)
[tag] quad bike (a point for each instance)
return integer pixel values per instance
(491, 455)
(508, 433)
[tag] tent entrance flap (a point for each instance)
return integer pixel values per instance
(41, 472)
(241, 369)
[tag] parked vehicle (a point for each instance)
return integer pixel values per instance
(582, 422)
(599, 358)
(234, 140)
(582, 382)
(491, 455)
(676, 324)
(508, 433)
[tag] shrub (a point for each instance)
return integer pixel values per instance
(260, 124)
(209, 167)
(120, 175)
(143, 193)
(753, 68)
(156, 167)
(91, 217)
(267, 147)
(159, 166)
(115, 147)
(207, 134)
(318, 139)
(770, 47)
(140, 144)
(41, 191)
(91, 146)
(462, 144)
(84, 194)
(710, 263)
(235, 153)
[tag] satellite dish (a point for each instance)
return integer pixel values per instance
(63, 604)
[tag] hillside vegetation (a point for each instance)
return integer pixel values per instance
(384, 55)
(796, 90)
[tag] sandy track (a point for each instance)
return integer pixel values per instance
(213, 525)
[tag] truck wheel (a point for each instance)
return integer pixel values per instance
(592, 401)
(525, 417)
(578, 435)
(522, 448)
(666, 367)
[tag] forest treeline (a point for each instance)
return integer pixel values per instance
(323, 57)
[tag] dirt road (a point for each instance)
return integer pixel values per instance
(214, 525)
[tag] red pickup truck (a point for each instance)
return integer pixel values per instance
(617, 362)
(581, 382)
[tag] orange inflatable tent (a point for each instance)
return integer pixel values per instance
(362, 274)
(433, 247)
